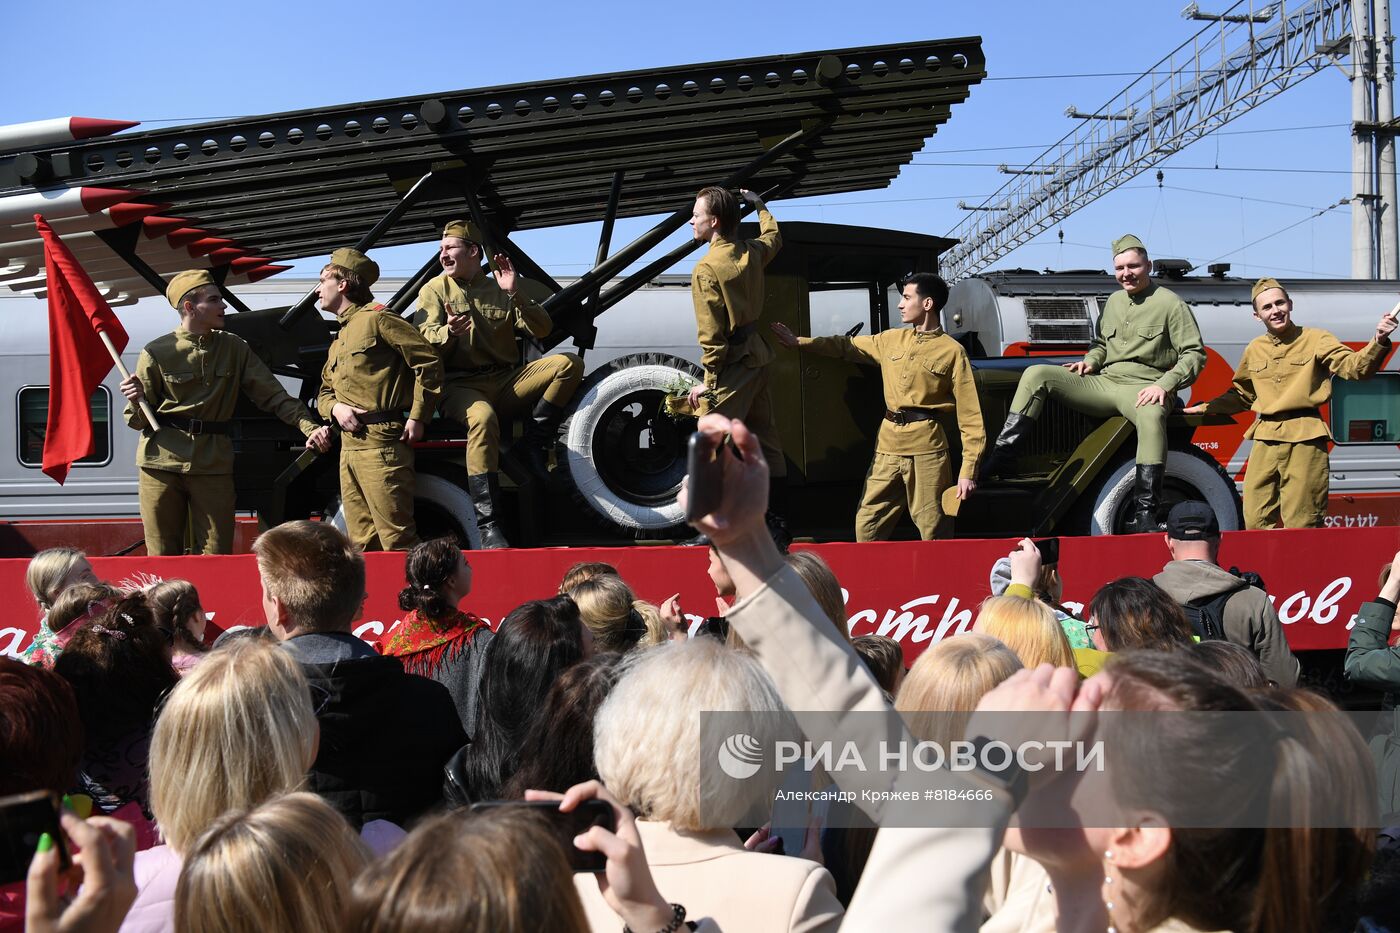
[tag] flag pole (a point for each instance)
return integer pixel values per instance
(126, 374)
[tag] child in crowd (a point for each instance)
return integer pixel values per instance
(178, 614)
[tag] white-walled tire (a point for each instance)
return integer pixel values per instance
(624, 458)
(1187, 477)
(440, 507)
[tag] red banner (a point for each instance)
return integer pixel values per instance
(916, 592)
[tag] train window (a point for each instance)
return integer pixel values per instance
(33, 422)
(1366, 412)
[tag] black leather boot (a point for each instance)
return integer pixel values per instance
(1147, 493)
(532, 449)
(485, 490)
(1013, 435)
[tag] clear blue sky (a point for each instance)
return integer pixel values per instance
(173, 62)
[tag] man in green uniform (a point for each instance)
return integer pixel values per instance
(1283, 376)
(192, 378)
(472, 320)
(924, 372)
(1147, 348)
(727, 287)
(380, 384)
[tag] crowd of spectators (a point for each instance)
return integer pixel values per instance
(298, 778)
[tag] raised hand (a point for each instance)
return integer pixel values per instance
(785, 337)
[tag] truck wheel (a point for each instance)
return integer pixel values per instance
(624, 457)
(440, 507)
(1189, 476)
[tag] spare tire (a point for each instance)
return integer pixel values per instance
(624, 457)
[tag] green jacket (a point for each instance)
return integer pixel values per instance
(1371, 660)
(1150, 337)
(189, 376)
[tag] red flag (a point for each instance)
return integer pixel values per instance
(78, 360)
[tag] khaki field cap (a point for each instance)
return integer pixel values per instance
(184, 283)
(1126, 242)
(357, 262)
(1264, 285)
(464, 229)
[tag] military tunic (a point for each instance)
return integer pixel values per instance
(919, 370)
(1142, 340)
(188, 476)
(379, 363)
(483, 371)
(727, 287)
(1284, 379)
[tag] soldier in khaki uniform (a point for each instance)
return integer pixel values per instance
(192, 378)
(473, 320)
(727, 287)
(924, 372)
(1283, 376)
(1147, 348)
(380, 384)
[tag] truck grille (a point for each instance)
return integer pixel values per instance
(1058, 320)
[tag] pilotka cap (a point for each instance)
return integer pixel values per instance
(357, 262)
(184, 283)
(1264, 285)
(1126, 242)
(464, 229)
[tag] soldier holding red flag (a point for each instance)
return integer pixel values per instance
(193, 377)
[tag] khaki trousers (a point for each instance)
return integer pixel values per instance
(742, 392)
(171, 500)
(1099, 397)
(376, 489)
(474, 402)
(894, 484)
(1285, 484)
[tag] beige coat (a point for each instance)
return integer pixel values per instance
(714, 876)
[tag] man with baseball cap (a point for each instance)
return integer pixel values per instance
(192, 378)
(380, 384)
(473, 321)
(1195, 580)
(1146, 349)
(1283, 376)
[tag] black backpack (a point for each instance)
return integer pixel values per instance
(1207, 615)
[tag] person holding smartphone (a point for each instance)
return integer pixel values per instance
(925, 374)
(1284, 376)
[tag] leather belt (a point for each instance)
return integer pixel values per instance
(1292, 413)
(909, 415)
(380, 417)
(195, 425)
(740, 334)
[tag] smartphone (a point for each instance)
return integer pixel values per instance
(1049, 549)
(706, 484)
(568, 825)
(23, 819)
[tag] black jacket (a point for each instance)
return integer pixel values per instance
(385, 736)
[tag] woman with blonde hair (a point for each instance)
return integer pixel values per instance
(618, 620)
(942, 688)
(284, 866)
(647, 739)
(59, 576)
(237, 730)
(180, 617)
(1026, 626)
